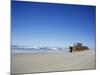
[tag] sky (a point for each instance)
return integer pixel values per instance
(52, 25)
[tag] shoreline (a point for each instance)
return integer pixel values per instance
(44, 62)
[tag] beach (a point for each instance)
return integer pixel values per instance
(48, 62)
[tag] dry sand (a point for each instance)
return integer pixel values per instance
(47, 62)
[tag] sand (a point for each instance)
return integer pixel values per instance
(47, 62)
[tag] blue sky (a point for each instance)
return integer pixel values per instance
(52, 25)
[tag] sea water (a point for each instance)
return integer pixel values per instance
(39, 51)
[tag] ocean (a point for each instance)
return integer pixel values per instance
(39, 51)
